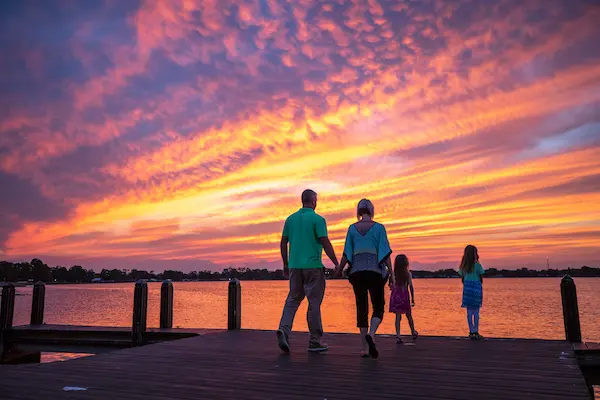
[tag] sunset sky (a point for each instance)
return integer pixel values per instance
(180, 134)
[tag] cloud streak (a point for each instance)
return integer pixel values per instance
(186, 130)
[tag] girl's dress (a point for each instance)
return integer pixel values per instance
(400, 300)
(472, 294)
(472, 288)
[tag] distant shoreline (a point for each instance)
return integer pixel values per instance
(24, 273)
(20, 284)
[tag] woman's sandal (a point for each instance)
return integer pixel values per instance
(364, 354)
(415, 335)
(373, 352)
(399, 340)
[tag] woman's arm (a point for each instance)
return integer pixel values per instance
(388, 265)
(412, 290)
(384, 249)
(340, 268)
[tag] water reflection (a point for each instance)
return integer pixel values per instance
(513, 307)
(57, 357)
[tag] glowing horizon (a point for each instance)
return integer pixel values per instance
(181, 134)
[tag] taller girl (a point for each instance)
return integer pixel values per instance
(471, 273)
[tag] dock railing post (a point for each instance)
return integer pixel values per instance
(37, 303)
(570, 309)
(140, 312)
(234, 305)
(7, 311)
(166, 304)
(7, 306)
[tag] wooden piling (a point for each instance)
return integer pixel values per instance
(570, 309)
(140, 312)
(234, 305)
(7, 306)
(37, 303)
(166, 304)
(7, 311)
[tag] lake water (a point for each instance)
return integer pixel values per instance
(513, 307)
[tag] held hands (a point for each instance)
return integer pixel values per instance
(337, 273)
(286, 272)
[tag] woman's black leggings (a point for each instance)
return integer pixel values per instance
(365, 283)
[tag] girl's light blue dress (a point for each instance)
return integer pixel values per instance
(472, 288)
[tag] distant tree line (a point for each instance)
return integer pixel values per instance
(584, 271)
(37, 270)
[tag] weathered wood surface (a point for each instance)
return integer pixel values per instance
(588, 357)
(248, 365)
(587, 346)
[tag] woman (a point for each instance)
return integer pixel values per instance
(367, 251)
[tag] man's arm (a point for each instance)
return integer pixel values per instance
(329, 250)
(321, 232)
(283, 246)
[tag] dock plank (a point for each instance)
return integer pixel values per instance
(248, 365)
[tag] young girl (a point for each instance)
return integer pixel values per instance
(400, 303)
(471, 273)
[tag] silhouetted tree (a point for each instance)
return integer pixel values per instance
(172, 275)
(77, 274)
(24, 271)
(137, 274)
(40, 271)
(60, 274)
(8, 272)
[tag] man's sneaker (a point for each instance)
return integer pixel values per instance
(283, 341)
(317, 347)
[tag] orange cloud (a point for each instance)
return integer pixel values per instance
(209, 118)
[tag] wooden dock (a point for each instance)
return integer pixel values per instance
(249, 365)
(166, 363)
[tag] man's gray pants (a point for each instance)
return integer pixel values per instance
(309, 283)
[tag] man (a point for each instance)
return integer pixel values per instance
(306, 233)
